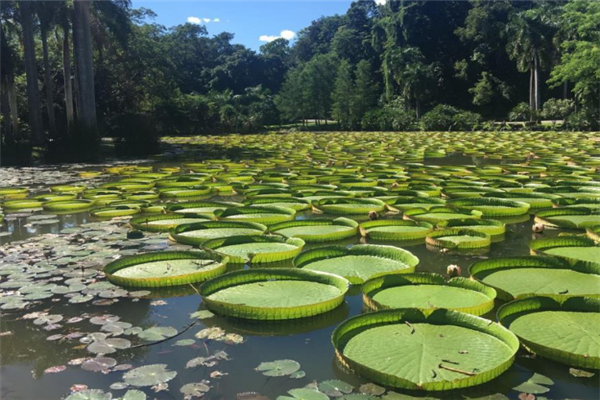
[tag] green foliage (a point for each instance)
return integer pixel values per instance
(446, 118)
(521, 112)
(557, 109)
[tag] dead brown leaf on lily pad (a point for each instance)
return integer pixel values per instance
(251, 396)
(526, 396)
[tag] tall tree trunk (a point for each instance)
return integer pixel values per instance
(565, 89)
(33, 93)
(49, 84)
(531, 93)
(82, 40)
(5, 109)
(12, 103)
(66, 58)
(537, 82)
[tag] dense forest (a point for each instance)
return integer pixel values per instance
(74, 71)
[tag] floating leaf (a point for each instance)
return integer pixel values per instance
(184, 342)
(90, 394)
(536, 384)
(149, 375)
(278, 367)
(578, 373)
(306, 394)
(134, 395)
(157, 333)
(197, 389)
(371, 389)
(335, 388)
(98, 364)
(202, 314)
(298, 375)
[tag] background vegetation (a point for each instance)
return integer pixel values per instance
(73, 71)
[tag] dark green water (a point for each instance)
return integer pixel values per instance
(26, 353)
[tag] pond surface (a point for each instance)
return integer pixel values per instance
(29, 351)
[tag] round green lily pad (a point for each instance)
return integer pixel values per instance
(577, 251)
(273, 294)
(439, 214)
(456, 238)
(164, 222)
(317, 230)
(168, 268)
(428, 291)
(424, 350)
(199, 232)
(256, 249)
(394, 229)
(267, 215)
(515, 277)
(569, 217)
(490, 207)
(358, 263)
(561, 329)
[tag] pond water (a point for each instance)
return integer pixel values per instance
(26, 353)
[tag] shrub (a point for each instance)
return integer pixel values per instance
(557, 109)
(522, 112)
(467, 121)
(579, 121)
(440, 118)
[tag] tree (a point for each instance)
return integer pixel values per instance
(366, 91)
(580, 60)
(343, 96)
(63, 18)
(530, 45)
(33, 94)
(82, 48)
(47, 12)
(7, 80)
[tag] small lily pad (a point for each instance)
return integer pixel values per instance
(278, 367)
(149, 375)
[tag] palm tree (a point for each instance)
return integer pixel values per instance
(33, 94)
(46, 12)
(529, 44)
(7, 78)
(63, 19)
(82, 48)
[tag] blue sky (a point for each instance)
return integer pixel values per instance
(252, 22)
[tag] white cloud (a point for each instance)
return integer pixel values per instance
(285, 34)
(198, 21)
(380, 2)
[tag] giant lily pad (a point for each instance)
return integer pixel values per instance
(569, 217)
(272, 294)
(256, 249)
(516, 277)
(561, 329)
(358, 263)
(428, 291)
(167, 268)
(164, 222)
(413, 349)
(577, 251)
(317, 230)
(393, 229)
(199, 232)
